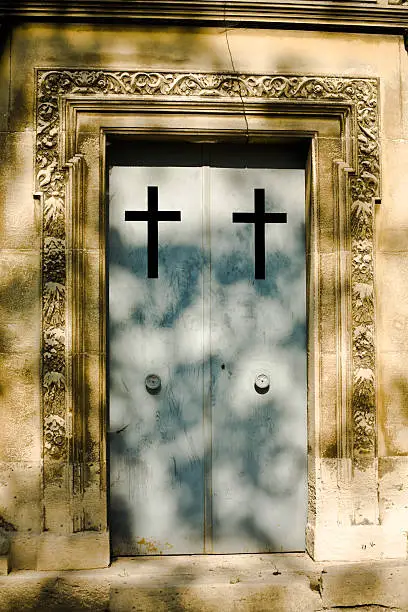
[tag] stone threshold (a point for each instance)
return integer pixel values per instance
(263, 582)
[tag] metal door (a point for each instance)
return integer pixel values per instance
(207, 362)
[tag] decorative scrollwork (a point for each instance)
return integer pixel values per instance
(54, 435)
(359, 93)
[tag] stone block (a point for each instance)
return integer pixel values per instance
(89, 147)
(20, 414)
(393, 490)
(392, 214)
(364, 492)
(359, 543)
(20, 497)
(392, 413)
(20, 304)
(327, 491)
(93, 376)
(78, 592)
(93, 221)
(26, 591)
(358, 585)
(329, 52)
(95, 303)
(327, 403)
(392, 302)
(291, 596)
(329, 151)
(4, 565)
(56, 495)
(328, 293)
(23, 550)
(19, 217)
(76, 551)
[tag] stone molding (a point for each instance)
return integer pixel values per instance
(292, 13)
(364, 188)
(61, 172)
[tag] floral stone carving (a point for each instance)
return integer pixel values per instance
(54, 435)
(361, 94)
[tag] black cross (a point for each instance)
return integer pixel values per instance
(152, 215)
(259, 217)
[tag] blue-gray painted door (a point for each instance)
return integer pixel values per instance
(210, 461)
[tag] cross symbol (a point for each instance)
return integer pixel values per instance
(152, 215)
(259, 217)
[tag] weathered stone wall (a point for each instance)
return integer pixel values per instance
(20, 316)
(31, 46)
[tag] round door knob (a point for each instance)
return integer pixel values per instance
(262, 383)
(153, 383)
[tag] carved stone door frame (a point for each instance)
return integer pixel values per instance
(77, 110)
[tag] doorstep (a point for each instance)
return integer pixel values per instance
(289, 582)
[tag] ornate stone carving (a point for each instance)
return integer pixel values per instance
(359, 94)
(54, 435)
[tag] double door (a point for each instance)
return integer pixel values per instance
(207, 352)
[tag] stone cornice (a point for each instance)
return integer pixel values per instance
(297, 14)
